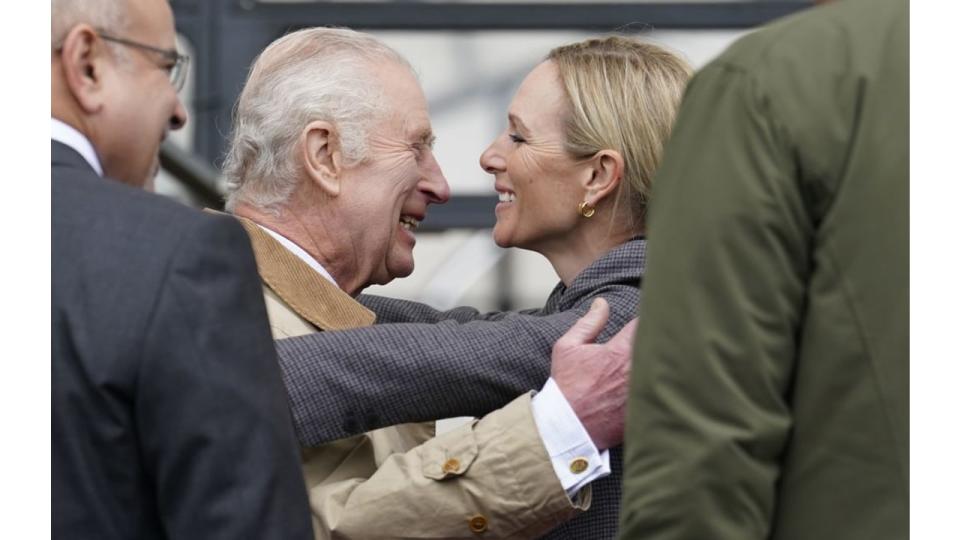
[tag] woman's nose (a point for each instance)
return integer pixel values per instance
(491, 160)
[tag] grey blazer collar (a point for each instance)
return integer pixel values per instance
(621, 265)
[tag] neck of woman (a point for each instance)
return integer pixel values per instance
(573, 253)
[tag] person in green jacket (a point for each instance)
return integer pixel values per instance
(770, 385)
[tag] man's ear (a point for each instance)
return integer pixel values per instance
(84, 61)
(606, 173)
(322, 157)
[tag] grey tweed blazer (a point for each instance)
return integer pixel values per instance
(420, 364)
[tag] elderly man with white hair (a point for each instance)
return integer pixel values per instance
(330, 169)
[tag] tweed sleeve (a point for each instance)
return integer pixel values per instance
(395, 310)
(348, 382)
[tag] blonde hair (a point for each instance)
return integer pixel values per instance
(624, 95)
(312, 74)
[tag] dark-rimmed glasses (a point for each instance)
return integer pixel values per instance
(179, 62)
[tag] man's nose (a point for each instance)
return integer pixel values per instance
(434, 183)
(178, 118)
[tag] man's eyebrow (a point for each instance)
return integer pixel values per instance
(425, 137)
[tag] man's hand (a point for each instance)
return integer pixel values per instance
(594, 377)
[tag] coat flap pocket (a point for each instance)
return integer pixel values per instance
(449, 454)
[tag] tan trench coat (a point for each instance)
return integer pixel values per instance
(491, 478)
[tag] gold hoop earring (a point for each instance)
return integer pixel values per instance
(586, 210)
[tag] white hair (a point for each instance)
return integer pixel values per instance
(309, 75)
(108, 15)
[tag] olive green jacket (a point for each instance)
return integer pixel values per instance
(491, 478)
(770, 388)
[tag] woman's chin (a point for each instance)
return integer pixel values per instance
(501, 238)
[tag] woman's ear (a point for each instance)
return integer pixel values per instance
(83, 59)
(606, 174)
(322, 157)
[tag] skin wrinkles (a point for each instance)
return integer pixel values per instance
(402, 177)
(531, 164)
(348, 217)
(537, 153)
(371, 245)
(545, 141)
(536, 168)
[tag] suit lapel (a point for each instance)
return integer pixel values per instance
(308, 293)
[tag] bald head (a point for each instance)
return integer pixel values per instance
(110, 15)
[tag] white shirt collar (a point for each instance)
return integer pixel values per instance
(68, 135)
(299, 252)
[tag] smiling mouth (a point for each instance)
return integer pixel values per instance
(506, 196)
(409, 223)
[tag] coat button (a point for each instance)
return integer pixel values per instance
(452, 465)
(578, 465)
(478, 524)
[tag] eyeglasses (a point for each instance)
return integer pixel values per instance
(179, 62)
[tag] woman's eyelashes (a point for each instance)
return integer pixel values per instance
(516, 138)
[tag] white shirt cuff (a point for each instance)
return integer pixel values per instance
(575, 458)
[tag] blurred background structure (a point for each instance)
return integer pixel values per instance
(471, 56)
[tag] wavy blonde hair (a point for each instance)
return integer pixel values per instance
(624, 95)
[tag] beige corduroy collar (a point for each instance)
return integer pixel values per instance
(308, 293)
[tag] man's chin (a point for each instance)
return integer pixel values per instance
(388, 273)
(400, 268)
(401, 273)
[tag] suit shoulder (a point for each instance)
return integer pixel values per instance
(88, 205)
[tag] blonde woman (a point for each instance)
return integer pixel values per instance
(573, 170)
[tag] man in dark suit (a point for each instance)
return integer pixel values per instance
(169, 417)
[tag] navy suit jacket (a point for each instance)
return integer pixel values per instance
(169, 416)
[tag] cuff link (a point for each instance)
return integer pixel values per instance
(578, 465)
